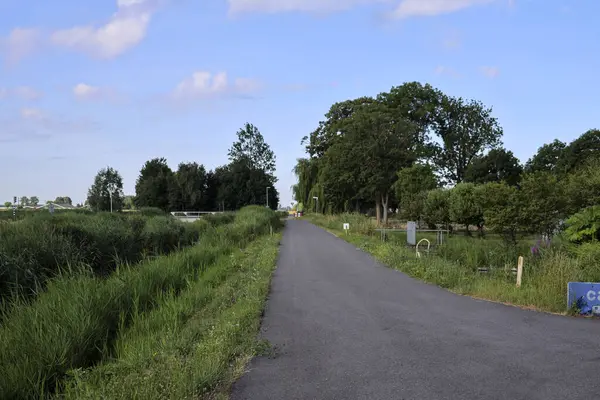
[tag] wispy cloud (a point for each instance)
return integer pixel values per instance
(21, 92)
(490, 72)
(443, 70)
(429, 8)
(204, 84)
(124, 30)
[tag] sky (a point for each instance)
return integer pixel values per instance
(85, 85)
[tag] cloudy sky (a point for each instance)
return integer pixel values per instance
(86, 84)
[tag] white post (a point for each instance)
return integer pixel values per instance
(110, 194)
(519, 271)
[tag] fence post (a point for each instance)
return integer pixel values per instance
(519, 271)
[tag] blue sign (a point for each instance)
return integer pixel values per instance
(586, 295)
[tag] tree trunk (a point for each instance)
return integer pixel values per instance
(378, 208)
(385, 201)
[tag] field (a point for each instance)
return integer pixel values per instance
(548, 267)
(162, 326)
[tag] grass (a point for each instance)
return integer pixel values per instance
(43, 246)
(82, 321)
(456, 264)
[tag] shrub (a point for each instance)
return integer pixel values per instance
(584, 226)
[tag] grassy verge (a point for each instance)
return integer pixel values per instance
(191, 344)
(78, 321)
(455, 265)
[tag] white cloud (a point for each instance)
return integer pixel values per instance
(446, 71)
(490, 72)
(84, 91)
(428, 8)
(275, 6)
(125, 29)
(19, 44)
(205, 84)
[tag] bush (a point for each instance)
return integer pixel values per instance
(584, 226)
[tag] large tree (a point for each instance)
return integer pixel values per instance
(411, 190)
(581, 151)
(373, 147)
(107, 189)
(188, 189)
(466, 129)
(242, 184)
(547, 157)
(34, 201)
(498, 165)
(63, 200)
(251, 145)
(153, 185)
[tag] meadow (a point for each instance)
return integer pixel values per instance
(480, 267)
(168, 326)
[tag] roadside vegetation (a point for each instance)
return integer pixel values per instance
(417, 154)
(168, 325)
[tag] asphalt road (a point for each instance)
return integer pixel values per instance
(346, 327)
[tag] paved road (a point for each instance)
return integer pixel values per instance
(346, 327)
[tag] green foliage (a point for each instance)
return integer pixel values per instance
(106, 191)
(43, 246)
(83, 320)
(583, 187)
(465, 205)
(502, 205)
(498, 165)
(544, 204)
(466, 129)
(436, 207)
(34, 201)
(581, 151)
(584, 226)
(63, 200)
(188, 188)
(7, 204)
(153, 185)
(251, 146)
(411, 190)
(547, 158)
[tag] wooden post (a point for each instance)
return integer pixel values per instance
(519, 271)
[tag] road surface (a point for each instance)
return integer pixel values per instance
(345, 327)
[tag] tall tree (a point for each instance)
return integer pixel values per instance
(546, 202)
(188, 191)
(251, 145)
(107, 185)
(242, 184)
(465, 206)
(466, 129)
(498, 165)
(547, 158)
(213, 182)
(24, 201)
(374, 145)
(581, 151)
(34, 201)
(153, 185)
(411, 189)
(63, 200)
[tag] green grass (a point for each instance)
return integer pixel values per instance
(79, 320)
(455, 265)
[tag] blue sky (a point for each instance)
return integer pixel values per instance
(84, 85)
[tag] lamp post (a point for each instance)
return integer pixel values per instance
(316, 204)
(267, 197)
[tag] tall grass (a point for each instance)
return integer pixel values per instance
(483, 267)
(38, 248)
(74, 323)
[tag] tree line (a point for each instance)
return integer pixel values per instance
(247, 179)
(440, 159)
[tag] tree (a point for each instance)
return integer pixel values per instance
(584, 226)
(107, 184)
(212, 189)
(365, 160)
(465, 206)
(466, 129)
(24, 201)
(581, 151)
(128, 203)
(251, 145)
(502, 207)
(547, 158)
(545, 202)
(153, 185)
(583, 187)
(34, 201)
(7, 204)
(436, 208)
(241, 184)
(411, 189)
(63, 200)
(188, 189)
(498, 165)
